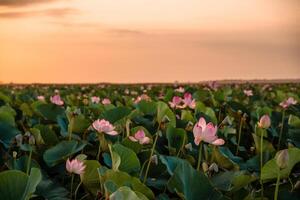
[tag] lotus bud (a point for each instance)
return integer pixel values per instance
(27, 134)
(31, 140)
(213, 167)
(154, 159)
(282, 159)
(188, 146)
(15, 154)
(19, 139)
(204, 167)
(264, 122)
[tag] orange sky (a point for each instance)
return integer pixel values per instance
(148, 41)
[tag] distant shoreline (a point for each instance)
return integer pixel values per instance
(226, 81)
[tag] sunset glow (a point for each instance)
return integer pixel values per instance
(71, 41)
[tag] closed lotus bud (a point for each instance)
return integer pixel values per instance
(189, 146)
(282, 159)
(15, 154)
(31, 140)
(19, 139)
(213, 167)
(204, 167)
(154, 159)
(264, 122)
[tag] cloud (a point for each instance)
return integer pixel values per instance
(21, 2)
(53, 12)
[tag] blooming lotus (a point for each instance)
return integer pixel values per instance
(75, 166)
(287, 103)
(176, 101)
(56, 100)
(189, 101)
(140, 137)
(41, 98)
(142, 97)
(103, 126)
(264, 122)
(248, 93)
(206, 132)
(95, 99)
(106, 101)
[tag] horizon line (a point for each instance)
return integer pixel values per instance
(220, 81)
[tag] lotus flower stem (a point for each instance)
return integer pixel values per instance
(143, 166)
(182, 146)
(199, 156)
(281, 129)
(261, 163)
(29, 162)
(70, 128)
(239, 139)
(128, 122)
(76, 190)
(277, 186)
(151, 154)
(72, 180)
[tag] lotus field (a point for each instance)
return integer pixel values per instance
(164, 141)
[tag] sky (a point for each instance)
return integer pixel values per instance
(129, 41)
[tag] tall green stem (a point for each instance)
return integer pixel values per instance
(72, 180)
(261, 162)
(182, 146)
(281, 129)
(101, 141)
(76, 190)
(151, 154)
(239, 139)
(199, 156)
(277, 186)
(70, 128)
(29, 162)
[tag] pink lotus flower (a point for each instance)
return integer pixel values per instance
(206, 132)
(248, 93)
(106, 101)
(103, 126)
(41, 98)
(140, 137)
(75, 166)
(287, 103)
(175, 103)
(264, 122)
(56, 100)
(142, 97)
(95, 99)
(189, 101)
(213, 85)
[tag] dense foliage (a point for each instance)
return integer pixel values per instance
(150, 141)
